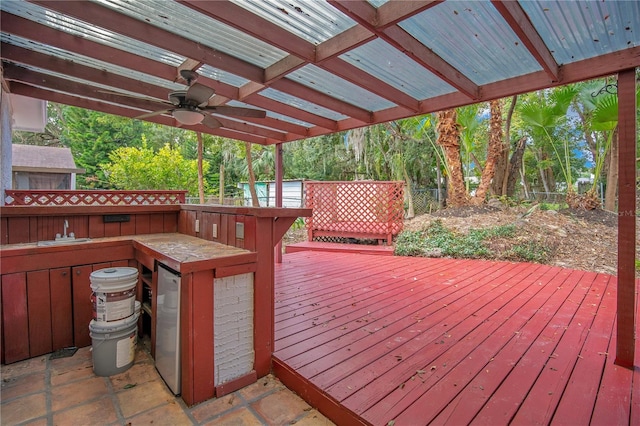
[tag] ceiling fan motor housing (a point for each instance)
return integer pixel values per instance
(177, 97)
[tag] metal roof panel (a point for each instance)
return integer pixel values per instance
(90, 32)
(295, 102)
(574, 30)
(381, 60)
(327, 83)
(89, 62)
(181, 20)
(474, 38)
(314, 21)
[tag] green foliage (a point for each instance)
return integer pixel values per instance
(92, 136)
(531, 251)
(437, 239)
(549, 206)
(142, 168)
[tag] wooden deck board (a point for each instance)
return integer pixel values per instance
(444, 341)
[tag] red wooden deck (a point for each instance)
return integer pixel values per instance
(370, 340)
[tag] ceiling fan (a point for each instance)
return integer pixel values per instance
(189, 107)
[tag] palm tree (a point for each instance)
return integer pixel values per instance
(494, 151)
(542, 113)
(449, 140)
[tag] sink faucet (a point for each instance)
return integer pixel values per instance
(65, 226)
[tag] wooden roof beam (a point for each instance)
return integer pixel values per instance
(52, 63)
(111, 20)
(32, 30)
(301, 51)
(519, 22)
(47, 95)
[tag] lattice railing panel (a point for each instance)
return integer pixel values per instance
(15, 197)
(358, 209)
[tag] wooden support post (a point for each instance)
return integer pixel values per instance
(625, 344)
(279, 174)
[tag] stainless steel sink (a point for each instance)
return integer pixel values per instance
(62, 241)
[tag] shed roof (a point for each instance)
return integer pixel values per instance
(33, 158)
(315, 67)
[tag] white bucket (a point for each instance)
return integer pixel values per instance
(113, 345)
(114, 293)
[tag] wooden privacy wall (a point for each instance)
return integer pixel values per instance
(220, 228)
(361, 209)
(32, 225)
(91, 198)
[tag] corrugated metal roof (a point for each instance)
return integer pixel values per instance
(577, 30)
(325, 82)
(315, 21)
(185, 22)
(92, 32)
(83, 60)
(286, 99)
(380, 59)
(223, 76)
(471, 35)
(328, 65)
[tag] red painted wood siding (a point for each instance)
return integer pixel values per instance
(30, 229)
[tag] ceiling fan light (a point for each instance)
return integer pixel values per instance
(188, 117)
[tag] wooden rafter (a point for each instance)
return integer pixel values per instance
(365, 14)
(517, 19)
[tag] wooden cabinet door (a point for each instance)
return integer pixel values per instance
(39, 312)
(81, 296)
(15, 321)
(61, 308)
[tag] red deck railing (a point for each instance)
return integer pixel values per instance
(361, 209)
(15, 197)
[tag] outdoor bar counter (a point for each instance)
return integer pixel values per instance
(45, 290)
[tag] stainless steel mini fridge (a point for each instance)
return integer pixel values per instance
(168, 327)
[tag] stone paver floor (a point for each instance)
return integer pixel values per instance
(65, 391)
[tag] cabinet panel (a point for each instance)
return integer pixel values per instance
(81, 292)
(39, 314)
(61, 308)
(15, 322)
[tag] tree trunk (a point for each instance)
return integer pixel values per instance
(439, 177)
(252, 177)
(612, 176)
(410, 208)
(499, 183)
(200, 173)
(494, 152)
(449, 139)
(516, 164)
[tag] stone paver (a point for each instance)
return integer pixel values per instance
(41, 391)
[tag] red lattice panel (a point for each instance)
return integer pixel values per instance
(91, 198)
(361, 209)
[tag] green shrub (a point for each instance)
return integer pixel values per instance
(530, 251)
(438, 239)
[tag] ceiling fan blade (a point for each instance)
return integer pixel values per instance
(237, 111)
(211, 122)
(153, 114)
(199, 94)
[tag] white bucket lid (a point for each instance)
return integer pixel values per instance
(114, 275)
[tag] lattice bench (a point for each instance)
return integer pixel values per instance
(361, 209)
